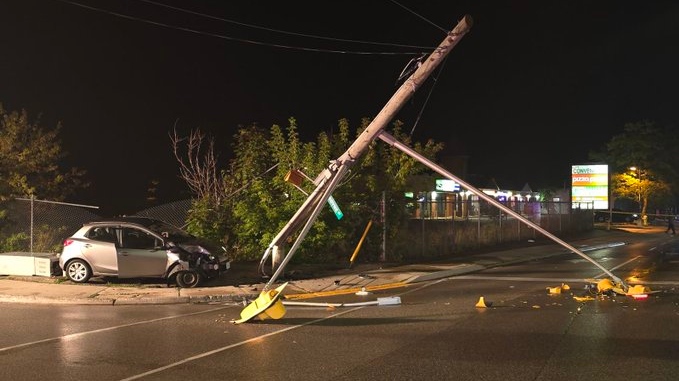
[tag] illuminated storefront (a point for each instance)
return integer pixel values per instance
(449, 201)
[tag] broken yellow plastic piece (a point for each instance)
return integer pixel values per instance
(554, 290)
(583, 298)
(638, 289)
(604, 285)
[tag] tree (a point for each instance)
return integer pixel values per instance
(639, 186)
(30, 160)
(260, 202)
(198, 167)
(652, 152)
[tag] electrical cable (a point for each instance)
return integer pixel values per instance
(431, 90)
(224, 37)
(278, 30)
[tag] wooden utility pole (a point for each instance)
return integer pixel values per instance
(328, 179)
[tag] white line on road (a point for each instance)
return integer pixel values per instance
(210, 353)
(74, 335)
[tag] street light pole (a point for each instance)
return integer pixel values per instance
(640, 188)
(637, 172)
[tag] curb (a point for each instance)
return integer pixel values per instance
(464, 268)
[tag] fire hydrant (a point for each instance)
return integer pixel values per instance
(644, 220)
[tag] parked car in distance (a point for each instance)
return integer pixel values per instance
(140, 247)
(616, 215)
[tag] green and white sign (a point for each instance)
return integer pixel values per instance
(335, 208)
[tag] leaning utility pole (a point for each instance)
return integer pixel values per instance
(268, 304)
(327, 180)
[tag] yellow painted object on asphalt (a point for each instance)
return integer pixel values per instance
(604, 285)
(583, 298)
(345, 291)
(638, 289)
(554, 290)
(482, 303)
(558, 289)
(268, 305)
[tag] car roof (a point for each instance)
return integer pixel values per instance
(144, 221)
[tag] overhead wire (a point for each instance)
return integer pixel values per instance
(278, 30)
(435, 78)
(420, 16)
(301, 48)
(431, 90)
(248, 41)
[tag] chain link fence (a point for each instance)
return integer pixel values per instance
(435, 229)
(174, 213)
(40, 226)
(440, 229)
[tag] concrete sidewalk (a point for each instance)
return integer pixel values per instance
(54, 290)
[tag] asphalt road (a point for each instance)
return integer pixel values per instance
(524, 332)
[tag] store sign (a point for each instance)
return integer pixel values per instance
(445, 185)
(589, 185)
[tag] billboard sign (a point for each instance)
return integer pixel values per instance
(590, 186)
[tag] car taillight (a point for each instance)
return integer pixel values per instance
(67, 242)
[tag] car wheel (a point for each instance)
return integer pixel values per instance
(78, 271)
(188, 278)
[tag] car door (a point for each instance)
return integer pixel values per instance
(100, 250)
(139, 254)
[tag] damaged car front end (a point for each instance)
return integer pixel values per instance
(140, 247)
(193, 263)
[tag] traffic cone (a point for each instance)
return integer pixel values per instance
(482, 303)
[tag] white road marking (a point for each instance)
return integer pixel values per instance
(74, 335)
(212, 352)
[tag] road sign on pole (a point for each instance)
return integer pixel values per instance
(335, 208)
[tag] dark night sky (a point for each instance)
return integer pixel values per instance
(530, 90)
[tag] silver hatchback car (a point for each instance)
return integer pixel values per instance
(140, 247)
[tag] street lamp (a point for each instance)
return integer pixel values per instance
(637, 172)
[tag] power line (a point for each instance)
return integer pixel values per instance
(283, 31)
(420, 16)
(248, 41)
